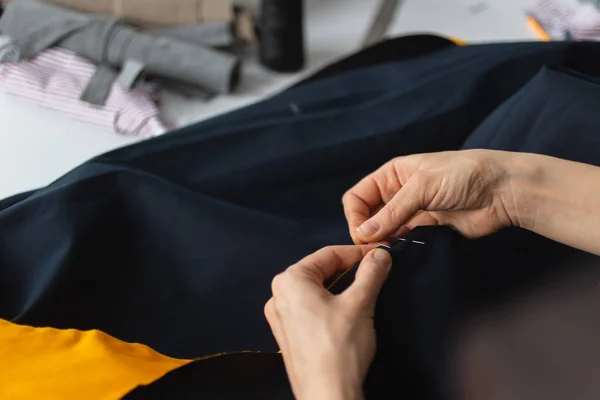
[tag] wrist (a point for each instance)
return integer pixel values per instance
(522, 193)
(333, 393)
(328, 387)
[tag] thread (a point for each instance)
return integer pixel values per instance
(281, 35)
(401, 240)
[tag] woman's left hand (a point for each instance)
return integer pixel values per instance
(328, 341)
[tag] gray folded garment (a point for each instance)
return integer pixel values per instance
(213, 34)
(33, 26)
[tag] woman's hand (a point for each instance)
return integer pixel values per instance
(468, 190)
(328, 341)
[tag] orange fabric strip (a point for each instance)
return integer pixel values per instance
(48, 363)
(458, 42)
(538, 30)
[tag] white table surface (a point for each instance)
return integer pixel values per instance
(38, 145)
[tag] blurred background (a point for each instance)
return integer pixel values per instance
(39, 141)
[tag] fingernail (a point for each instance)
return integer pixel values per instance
(382, 258)
(369, 228)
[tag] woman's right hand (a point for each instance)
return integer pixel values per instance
(470, 190)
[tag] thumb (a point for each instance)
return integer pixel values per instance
(372, 273)
(401, 208)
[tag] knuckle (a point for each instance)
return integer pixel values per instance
(422, 190)
(421, 178)
(326, 252)
(476, 168)
(398, 162)
(328, 249)
(356, 220)
(269, 309)
(390, 211)
(402, 166)
(346, 197)
(354, 308)
(278, 283)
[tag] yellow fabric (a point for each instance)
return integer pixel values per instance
(538, 30)
(458, 41)
(47, 363)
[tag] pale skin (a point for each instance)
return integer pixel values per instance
(327, 341)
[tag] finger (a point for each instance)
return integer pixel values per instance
(321, 265)
(455, 219)
(273, 320)
(401, 232)
(357, 212)
(368, 195)
(423, 219)
(403, 206)
(460, 221)
(270, 313)
(274, 323)
(370, 276)
(359, 202)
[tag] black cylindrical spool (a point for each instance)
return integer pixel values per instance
(281, 28)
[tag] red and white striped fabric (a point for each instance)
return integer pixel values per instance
(55, 78)
(562, 22)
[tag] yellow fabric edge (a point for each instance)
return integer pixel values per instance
(538, 30)
(458, 41)
(49, 363)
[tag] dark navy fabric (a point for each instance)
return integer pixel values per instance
(173, 242)
(249, 376)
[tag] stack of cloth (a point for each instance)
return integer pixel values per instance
(571, 20)
(55, 78)
(98, 68)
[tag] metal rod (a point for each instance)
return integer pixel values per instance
(381, 23)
